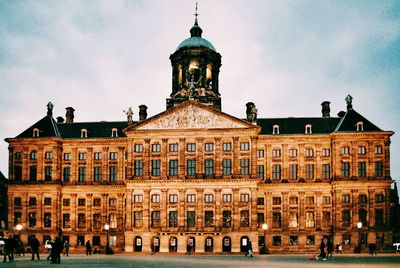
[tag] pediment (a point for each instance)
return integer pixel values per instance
(191, 115)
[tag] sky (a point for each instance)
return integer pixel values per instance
(102, 57)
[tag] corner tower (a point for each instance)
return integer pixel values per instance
(195, 70)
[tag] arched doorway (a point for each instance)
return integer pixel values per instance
(209, 244)
(244, 243)
(155, 244)
(226, 244)
(191, 244)
(173, 244)
(137, 244)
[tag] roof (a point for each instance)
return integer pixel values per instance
(94, 129)
(47, 128)
(196, 42)
(350, 120)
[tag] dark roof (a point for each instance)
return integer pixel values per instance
(2, 178)
(47, 128)
(94, 129)
(293, 125)
(350, 120)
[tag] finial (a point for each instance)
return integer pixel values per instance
(196, 15)
(50, 109)
(349, 101)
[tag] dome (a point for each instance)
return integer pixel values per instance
(196, 42)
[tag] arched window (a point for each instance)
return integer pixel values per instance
(360, 126)
(275, 130)
(114, 133)
(35, 132)
(308, 129)
(83, 133)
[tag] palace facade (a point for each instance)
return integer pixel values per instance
(195, 179)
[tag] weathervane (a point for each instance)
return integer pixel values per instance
(196, 15)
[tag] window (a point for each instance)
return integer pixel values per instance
(293, 240)
(310, 219)
(138, 198)
(48, 171)
(362, 199)
(155, 219)
(326, 171)
(310, 240)
(260, 153)
(82, 174)
(226, 218)
(379, 198)
(345, 150)
(191, 147)
(276, 241)
(47, 201)
(244, 197)
(112, 202)
(227, 146)
(379, 217)
(276, 220)
(155, 167)
(18, 173)
(362, 216)
(138, 219)
(138, 168)
(173, 147)
(18, 155)
(97, 174)
(293, 171)
(48, 155)
(260, 201)
(97, 156)
(66, 220)
(173, 198)
(191, 198)
(276, 172)
(35, 132)
(378, 169)
(191, 167)
(97, 221)
(326, 152)
(310, 200)
(360, 126)
(209, 147)
(32, 173)
(173, 219)
(346, 217)
(227, 198)
(209, 167)
(244, 146)
(378, 149)
(276, 153)
(96, 202)
(346, 239)
(81, 202)
(260, 171)
(67, 156)
(326, 218)
(33, 155)
(308, 129)
(326, 200)
(83, 133)
(47, 219)
(191, 218)
(113, 155)
(17, 217)
(293, 219)
(81, 220)
(32, 201)
(309, 171)
(362, 150)
(209, 198)
(114, 133)
(346, 198)
(244, 218)
(155, 198)
(17, 201)
(138, 148)
(309, 153)
(32, 219)
(260, 219)
(113, 173)
(156, 148)
(208, 218)
(226, 167)
(362, 169)
(345, 169)
(293, 200)
(66, 202)
(244, 166)
(276, 200)
(275, 130)
(292, 152)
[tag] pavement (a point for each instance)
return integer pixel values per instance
(160, 260)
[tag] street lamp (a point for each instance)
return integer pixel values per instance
(107, 227)
(264, 249)
(359, 225)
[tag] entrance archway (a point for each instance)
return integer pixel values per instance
(244, 243)
(173, 244)
(191, 244)
(209, 244)
(226, 244)
(137, 244)
(155, 244)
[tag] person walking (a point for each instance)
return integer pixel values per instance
(34, 243)
(56, 250)
(9, 249)
(88, 248)
(249, 249)
(329, 247)
(66, 246)
(322, 250)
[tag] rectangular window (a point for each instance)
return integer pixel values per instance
(113, 155)
(226, 218)
(276, 172)
(294, 240)
(310, 200)
(209, 147)
(17, 217)
(113, 173)
(47, 219)
(32, 201)
(378, 169)
(17, 201)
(362, 199)
(208, 218)
(173, 219)
(96, 202)
(18, 173)
(293, 200)
(226, 167)
(173, 147)
(112, 202)
(260, 219)
(97, 221)
(244, 146)
(293, 171)
(309, 171)
(362, 216)
(173, 198)
(244, 166)
(292, 152)
(32, 219)
(293, 219)
(227, 198)
(309, 153)
(33, 155)
(191, 168)
(362, 169)
(276, 241)
(326, 218)
(138, 148)
(191, 218)
(310, 240)
(48, 171)
(260, 153)
(326, 200)
(48, 155)
(67, 174)
(155, 167)
(379, 198)
(346, 198)
(244, 218)
(260, 201)
(191, 198)
(276, 220)
(138, 198)
(227, 147)
(244, 197)
(155, 219)
(82, 156)
(191, 147)
(18, 155)
(156, 148)
(66, 220)
(97, 156)
(326, 152)
(346, 219)
(276, 153)
(138, 219)
(209, 198)
(66, 202)
(379, 217)
(155, 198)
(209, 167)
(260, 171)
(362, 150)
(310, 219)
(82, 174)
(81, 220)
(67, 156)
(346, 239)
(81, 202)
(33, 173)
(97, 174)
(326, 171)
(345, 150)
(138, 168)
(276, 201)
(345, 169)
(378, 149)
(47, 201)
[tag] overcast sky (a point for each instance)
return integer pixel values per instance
(102, 57)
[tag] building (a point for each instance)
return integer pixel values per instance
(195, 179)
(3, 203)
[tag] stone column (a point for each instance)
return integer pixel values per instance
(199, 209)
(146, 159)
(236, 160)
(218, 158)
(163, 209)
(120, 212)
(181, 210)
(89, 161)
(199, 158)
(73, 214)
(164, 173)
(181, 161)
(235, 212)
(89, 212)
(128, 210)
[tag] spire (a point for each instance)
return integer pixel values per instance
(196, 31)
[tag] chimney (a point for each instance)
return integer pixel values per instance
(142, 112)
(69, 116)
(326, 109)
(341, 114)
(60, 119)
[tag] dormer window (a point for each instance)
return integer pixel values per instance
(360, 126)
(275, 130)
(114, 133)
(83, 133)
(308, 129)
(35, 132)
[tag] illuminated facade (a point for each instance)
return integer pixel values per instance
(194, 178)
